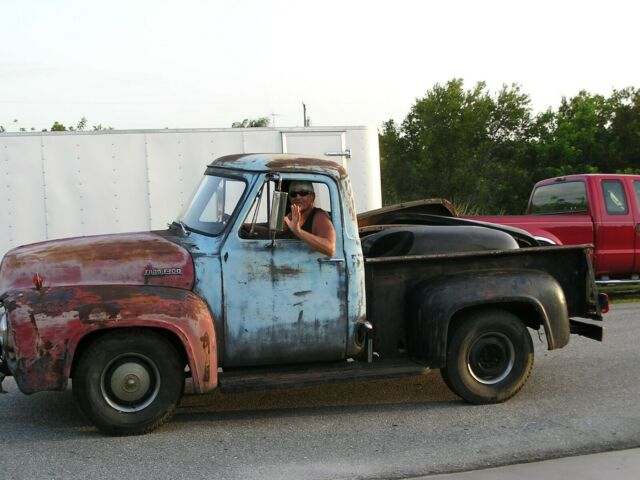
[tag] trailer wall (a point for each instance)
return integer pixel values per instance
(62, 184)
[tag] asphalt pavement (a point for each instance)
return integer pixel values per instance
(580, 400)
(620, 465)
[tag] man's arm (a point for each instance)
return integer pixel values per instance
(323, 238)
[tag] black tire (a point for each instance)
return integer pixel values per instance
(129, 382)
(445, 378)
(489, 357)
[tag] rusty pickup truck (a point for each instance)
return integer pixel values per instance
(130, 318)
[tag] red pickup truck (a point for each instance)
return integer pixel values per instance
(601, 209)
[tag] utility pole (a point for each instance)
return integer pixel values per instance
(305, 119)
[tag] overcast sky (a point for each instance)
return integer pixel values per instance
(183, 64)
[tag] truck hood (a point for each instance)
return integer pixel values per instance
(121, 259)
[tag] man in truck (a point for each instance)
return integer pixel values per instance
(310, 224)
(307, 222)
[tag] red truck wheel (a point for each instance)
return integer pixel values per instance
(489, 357)
(129, 382)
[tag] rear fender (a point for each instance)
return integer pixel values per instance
(49, 324)
(534, 296)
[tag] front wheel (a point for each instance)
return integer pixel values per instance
(489, 357)
(129, 382)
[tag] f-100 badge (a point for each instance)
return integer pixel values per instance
(152, 272)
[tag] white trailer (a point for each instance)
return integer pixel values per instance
(63, 184)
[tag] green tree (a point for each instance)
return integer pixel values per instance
(574, 139)
(486, 151)
(463, 145)
(252, 123)
(59, 127)
(624, 131)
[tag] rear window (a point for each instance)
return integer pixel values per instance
(566, 197)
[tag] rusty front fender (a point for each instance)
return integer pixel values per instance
(48, 325)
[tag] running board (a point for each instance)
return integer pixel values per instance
(279, 378)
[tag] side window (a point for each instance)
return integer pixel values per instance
(636, 186)
(615, 200)
(566, 197)
(258, 213)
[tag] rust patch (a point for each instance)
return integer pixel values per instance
(279, 162)
(283, 164)
(99, 313)
(47, 326)
(228, 159)
(206, 347)
(104, 259)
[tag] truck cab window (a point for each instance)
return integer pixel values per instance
(566, 197)
(615, 200)
(258, 213)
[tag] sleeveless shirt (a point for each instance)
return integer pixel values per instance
(307, 226)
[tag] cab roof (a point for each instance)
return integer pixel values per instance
(279, 162)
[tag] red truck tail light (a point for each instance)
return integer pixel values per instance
(603, 302)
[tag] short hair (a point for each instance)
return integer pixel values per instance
(300, 185)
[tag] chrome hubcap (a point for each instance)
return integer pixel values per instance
(130, 382)
(491, 358)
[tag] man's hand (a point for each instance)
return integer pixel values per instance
(295, 222)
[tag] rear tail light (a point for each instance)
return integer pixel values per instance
(603, 302)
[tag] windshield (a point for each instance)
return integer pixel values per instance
(212, 204)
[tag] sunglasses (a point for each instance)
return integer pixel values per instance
(302, 193)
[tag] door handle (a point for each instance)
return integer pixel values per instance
(331, 260)
(346, 153)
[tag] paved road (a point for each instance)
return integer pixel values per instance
(580, 399)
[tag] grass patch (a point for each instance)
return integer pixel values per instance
(621, 293)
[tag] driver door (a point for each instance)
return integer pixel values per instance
(286, 303)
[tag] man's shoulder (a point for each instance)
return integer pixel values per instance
(319, 213)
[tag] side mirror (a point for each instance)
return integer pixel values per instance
(278, 209)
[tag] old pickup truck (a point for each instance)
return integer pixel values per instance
(130, 317)
(601, 209)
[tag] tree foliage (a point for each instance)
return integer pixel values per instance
(486, 150)
(252, 123)
(59, 127)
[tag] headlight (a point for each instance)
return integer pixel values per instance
(4, 328)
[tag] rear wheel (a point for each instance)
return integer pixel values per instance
(129, 382)
(489, 357)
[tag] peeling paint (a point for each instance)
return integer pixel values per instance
(119, 259)
(47, 331)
